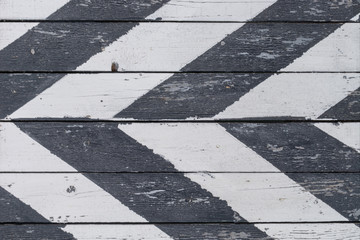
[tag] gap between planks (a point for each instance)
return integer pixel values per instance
(167, 21)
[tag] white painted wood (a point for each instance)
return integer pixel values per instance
(198, 147)
(9, 32)
(348, 133)
(338, 52)
(311, 231)
(29, 9)
(115, 232)
(19, 152)
(144, 48)
(65, 198)
(175, 10)
(89, 95)
(262, 197)
(210, 10)
(297, 95)
(278, 231)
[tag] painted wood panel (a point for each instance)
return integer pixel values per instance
(186, 232)
(177, 119)
(184, 147)
(153, 96)
(63, 198)
(178, 10)
(190, 47)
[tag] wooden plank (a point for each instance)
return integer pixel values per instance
(178, 10)
(228, 148)
(187, 232)
(63, 198)
(141, 48)
(102, 96)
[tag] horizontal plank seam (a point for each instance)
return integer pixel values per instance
(170, 21)
(176, 223)
(264, 120)
(178, 172)
(170, 72)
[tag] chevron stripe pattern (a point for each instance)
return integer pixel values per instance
(177, 119)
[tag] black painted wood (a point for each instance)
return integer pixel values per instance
(296, 147)
(340, 191)
(348, 108)
(183, 231)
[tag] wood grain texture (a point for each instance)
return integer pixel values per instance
(86, 153)
(176, 96)
(55, 44)
(208, 10)
(291, 147)
(340, 191)
(185, 232)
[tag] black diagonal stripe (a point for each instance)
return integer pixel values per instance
(340, 191)
(14, 211)
(253, 47)
(18, 89)
(61, 46)
(107, 10)
(158, 197)
(302, 147)
(310, 10)
(347, 109)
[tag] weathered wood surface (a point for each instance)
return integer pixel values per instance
(184, 147)
(177, 197)
(178, 10)
(154, 96)
(190, 47)
(216, 120)
(185, 231)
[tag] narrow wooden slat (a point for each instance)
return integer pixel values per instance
(198, 10)
(140, 49)
(258, 197)
(188, 232)
(212, 148)
(102, 96)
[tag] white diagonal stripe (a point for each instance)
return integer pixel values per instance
(144, 48)
(29, 9)
(210, 10)
(339, 51)
(90, 95)
(311, 231)
(198, 147)
(115, 232)
(9, 32)
(348, 133)
(296, 95)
